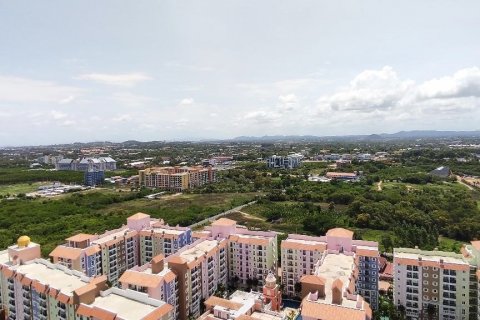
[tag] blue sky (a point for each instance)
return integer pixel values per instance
(154, 70)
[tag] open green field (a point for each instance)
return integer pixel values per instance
(10, 176)
(17, 188)
(50, 221)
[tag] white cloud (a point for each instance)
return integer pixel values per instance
(383, 95)
(67, 100)
(262, 116)
(122, 118)
(23, 90)
(288, 102)
(187, 102)
(463, 83)
(121, 79)
(57, 115)
(68, 123)
(130, 99)
(181, 122)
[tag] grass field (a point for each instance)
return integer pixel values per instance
(14, 189)
(50, 221)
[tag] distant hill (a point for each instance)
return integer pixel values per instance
(402, 135)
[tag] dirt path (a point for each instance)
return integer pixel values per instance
(459, 180)
(249, 216)
(379, 185)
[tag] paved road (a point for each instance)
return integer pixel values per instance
(215, 217)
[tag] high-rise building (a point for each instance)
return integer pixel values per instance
(201, 268)
(285, 162)
(304, 256)
(117, 250)
(436, 284)
(34, 288)
(154, 279)
(252, 254)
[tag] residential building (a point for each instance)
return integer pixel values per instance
(162, 239)
(115, 251)
(34, 288)
(305, 259)
(242, 305)
(116, 303)
(86, 164)
(93, 177)
(285, 162)
(176, 178)
(251, 254)
(442, 285)
(201, 268)
(344, 176)
(154, 279)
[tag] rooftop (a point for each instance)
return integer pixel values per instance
(198, 250)
(415, 256)
(64, 281)
(340, 232)
(336, 267)
(111, 236)
(224, 222)
(124, 307)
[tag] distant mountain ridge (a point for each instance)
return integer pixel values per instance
(414, 134)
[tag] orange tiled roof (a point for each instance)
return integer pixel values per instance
(80, 237)
(138, 216)
(286, 244)
(368, 253)
(476, 244)
(216, 301)
(176, 260)
(313, 279)
(324, 311)
(337, 284)
(66, 253)
(224, 222)
(92, 250)
(86, 288)
(340, 232)
(159, 312)
(158, 258)
(141, 279)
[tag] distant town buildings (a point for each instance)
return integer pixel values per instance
(285, 162)
(176, 178)
(344, 176)
(86, 164)
(218, 160)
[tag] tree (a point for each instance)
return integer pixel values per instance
(297, 287)
(331, 206)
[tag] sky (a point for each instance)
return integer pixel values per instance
(89, 70)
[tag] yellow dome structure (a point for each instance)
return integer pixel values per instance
(23, 241)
